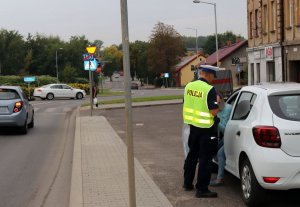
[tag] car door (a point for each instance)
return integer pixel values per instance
(56, 90)
(67, 91)
(235, 128)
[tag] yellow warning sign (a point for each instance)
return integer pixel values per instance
(91, 50)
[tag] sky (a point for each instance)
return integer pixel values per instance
(101, 19)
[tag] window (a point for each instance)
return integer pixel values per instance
(273, 16)
(56, 87)
(297, 12)
(251, 25)
(244, 106)
(265, 18)
(257, 72)
(66, 87)
(256, 23)
(8, 94)
(289, 13)
(286, 106)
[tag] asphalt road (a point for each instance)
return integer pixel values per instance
(158, 146)
(36, 168)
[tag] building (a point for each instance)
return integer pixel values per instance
(183, 72)
(232, 57)
(291, 42)
(273, 39)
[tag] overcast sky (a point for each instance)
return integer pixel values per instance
(101, 19)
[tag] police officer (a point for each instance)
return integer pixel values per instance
(199, 109)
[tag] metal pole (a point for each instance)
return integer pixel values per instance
(196, 43)
(56, 66)
(217, 50)
(128, 107)
(91, 88)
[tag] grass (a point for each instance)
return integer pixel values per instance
(107, 92)
(140, 99)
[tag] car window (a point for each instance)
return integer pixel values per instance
(8, 94)
(232, 98)
(66, 87)
(244, 105)
(286, 106)
(56, 87)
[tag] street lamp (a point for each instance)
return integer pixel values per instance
(57, 64)
(215, 9)
(196, 39)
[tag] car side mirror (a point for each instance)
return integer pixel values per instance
(242, 110)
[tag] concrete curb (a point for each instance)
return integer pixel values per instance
(76, 194)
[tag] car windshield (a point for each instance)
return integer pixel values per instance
(8, 94)
(286, 106)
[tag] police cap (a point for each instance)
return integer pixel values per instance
(210, 69)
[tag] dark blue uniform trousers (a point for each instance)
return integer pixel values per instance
(203, 145)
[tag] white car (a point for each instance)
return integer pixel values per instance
(52, 91)
(262, 139)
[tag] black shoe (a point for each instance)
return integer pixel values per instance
(206, 194)
(188, 187)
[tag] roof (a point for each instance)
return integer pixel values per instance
(185, 61)
(277, 86)
(223, 53)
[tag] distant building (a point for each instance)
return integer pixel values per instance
(274, 40)
(231, 57)
(183, 73)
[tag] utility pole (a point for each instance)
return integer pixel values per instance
(128, 107)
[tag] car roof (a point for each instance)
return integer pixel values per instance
(11, 87)
(274, 86)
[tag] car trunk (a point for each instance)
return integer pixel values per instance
(290, 135)
(7, 106)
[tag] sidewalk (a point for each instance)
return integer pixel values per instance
(99, 175)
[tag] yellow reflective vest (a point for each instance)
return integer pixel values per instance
(195, 108)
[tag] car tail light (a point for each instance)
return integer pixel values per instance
(270, 179)
(39, 90)
(18, 106)
(267, 136)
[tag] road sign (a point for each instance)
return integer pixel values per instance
(29, 79)
(91, 50)
(235, 60)
(88, 57)
(90, 65)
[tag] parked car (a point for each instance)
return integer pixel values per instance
(15, 109)
(52, 91)
(134, 86)
(262, 139)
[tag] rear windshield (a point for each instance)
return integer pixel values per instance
(286, 106)
(8, 94)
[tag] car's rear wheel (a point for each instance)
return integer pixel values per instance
(79, 95)
(50, 96)
(24, 128)
(253, 194)
(31, 124)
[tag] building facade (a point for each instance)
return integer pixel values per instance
(273, 39)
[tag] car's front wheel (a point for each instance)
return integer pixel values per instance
(79, 95)
(50, 96)
(253, 193)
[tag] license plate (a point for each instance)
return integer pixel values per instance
(3, 109)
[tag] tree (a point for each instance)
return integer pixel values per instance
(210, 46)
(12, 52)
(113, 56)
(138, 59)
(165, 48)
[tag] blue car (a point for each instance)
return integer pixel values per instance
(15, 109)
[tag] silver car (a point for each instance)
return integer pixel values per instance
(15, 109)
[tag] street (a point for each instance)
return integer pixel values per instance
(158, 146)
(36, 168)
